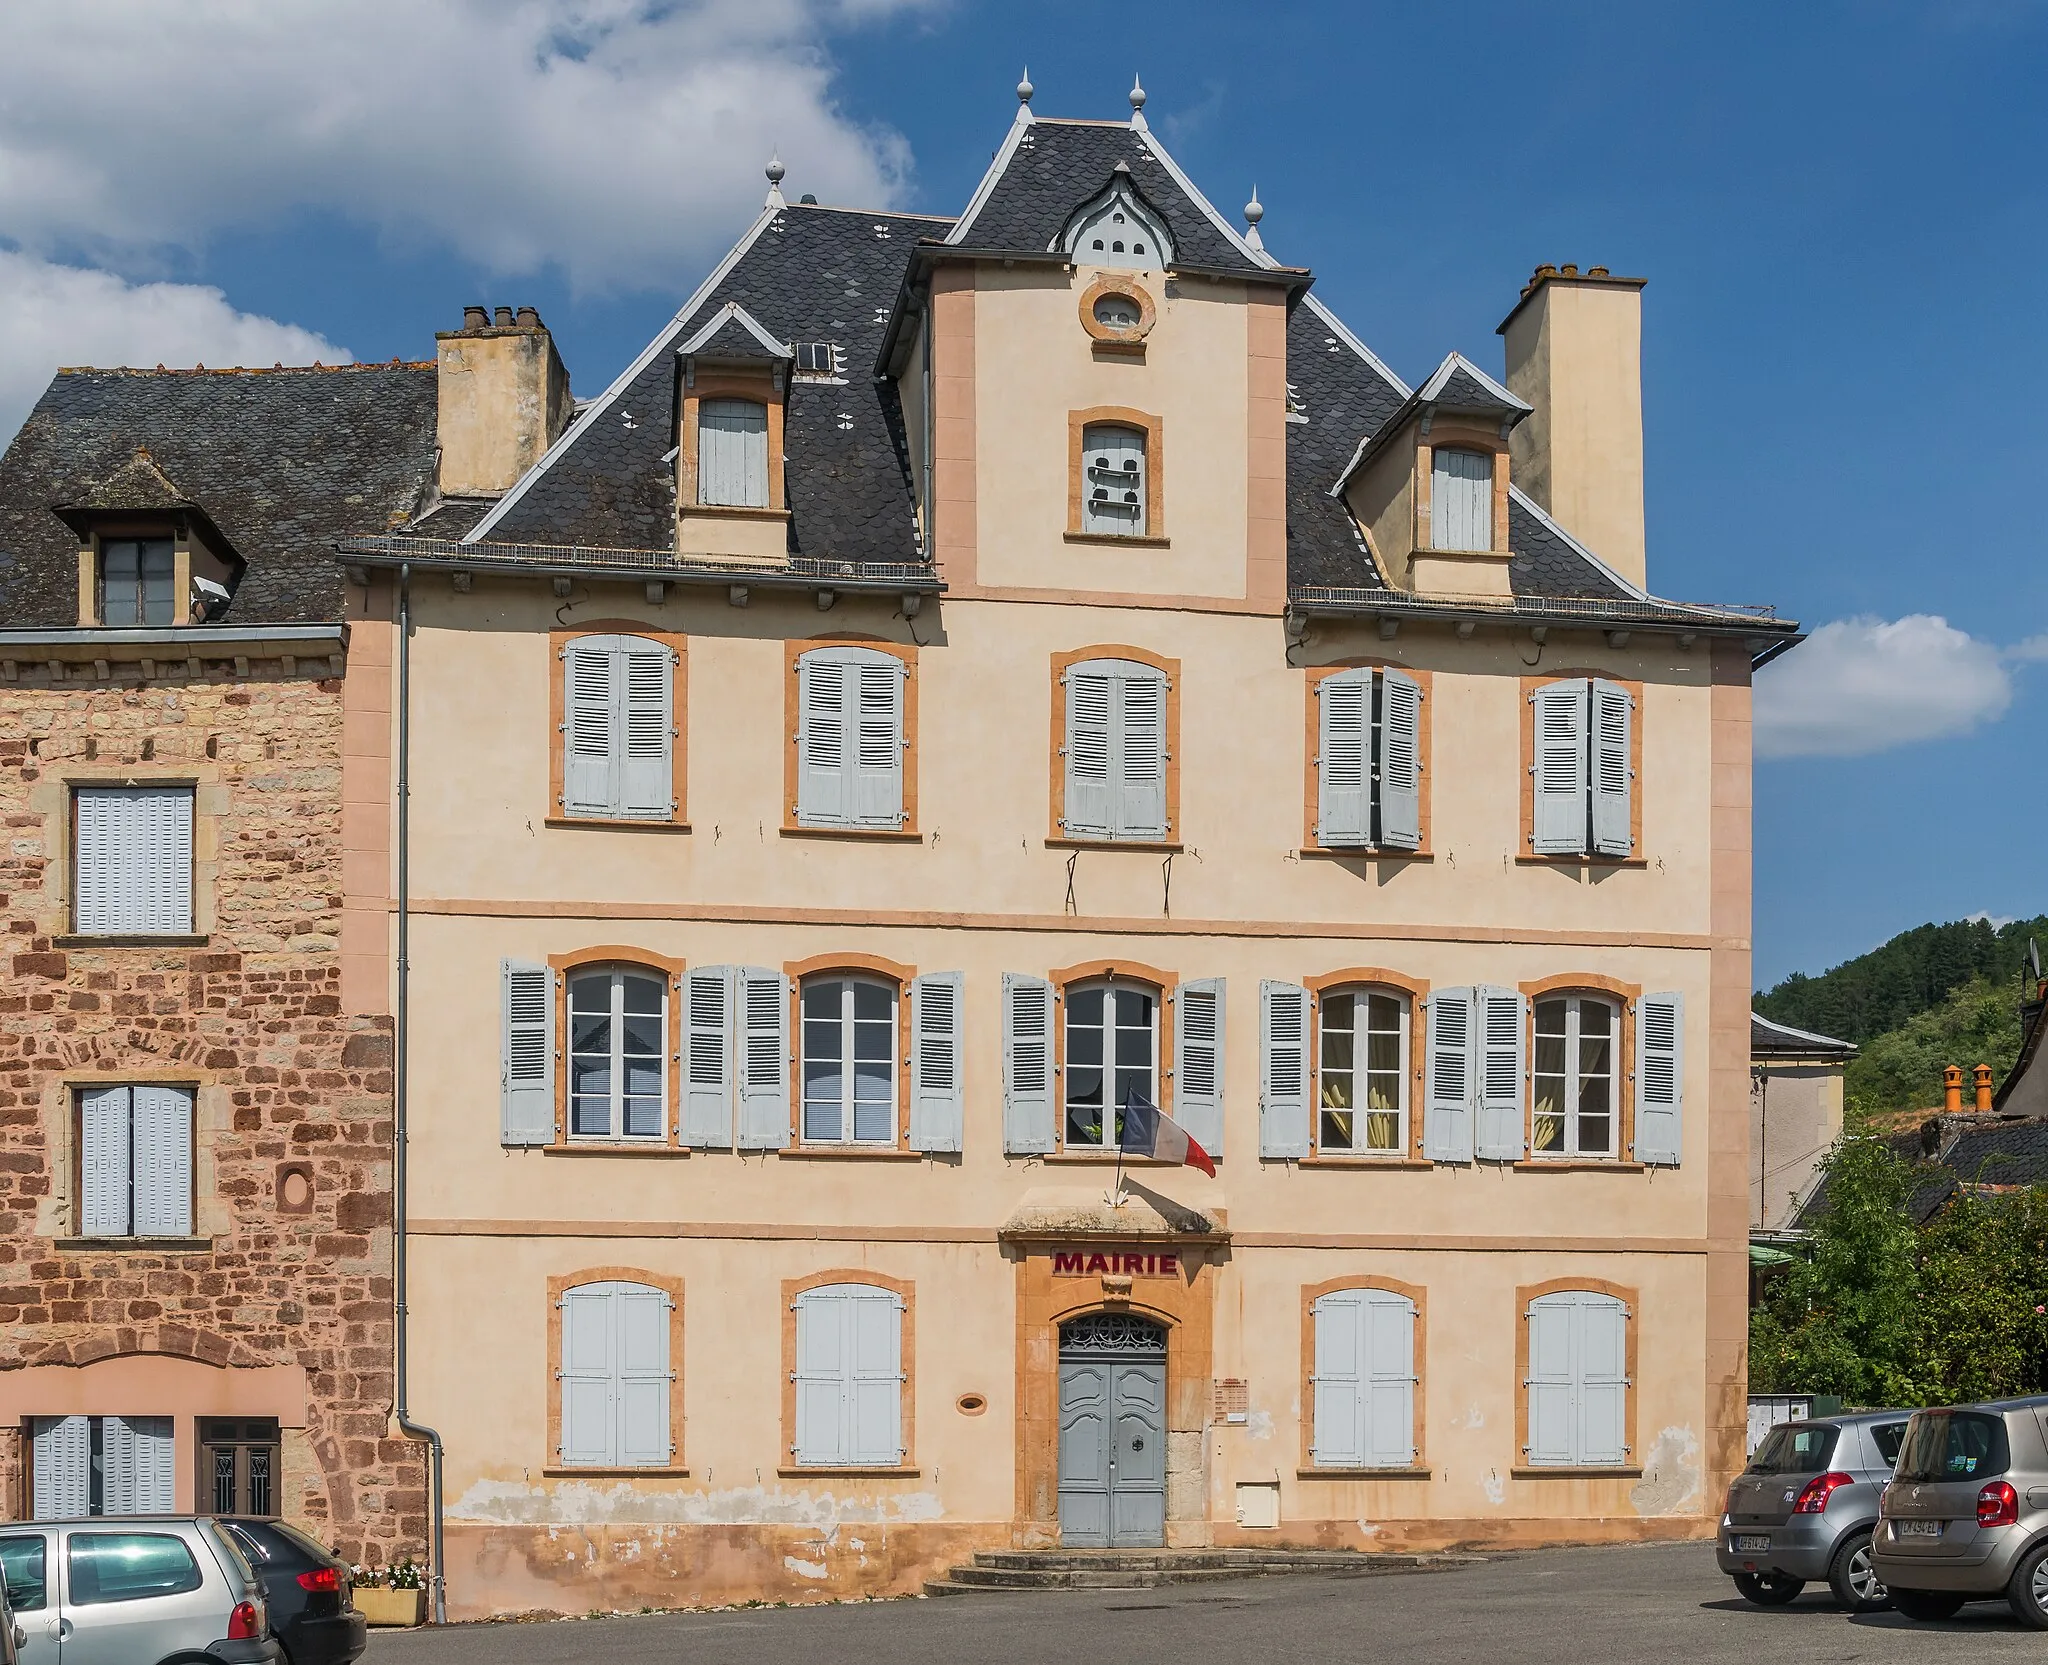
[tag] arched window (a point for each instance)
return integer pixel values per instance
(1112, 1051)
(849, 1060)
(1117, 230)
(1113, 480)
(618, 1053)
(1364, 1383)
(1460, 499)
(732, 453)
(615, 1376)
(849, 1376)
(1362, 1072)
(1578, 1374)
(1578, 1037)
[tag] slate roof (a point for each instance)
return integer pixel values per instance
(1781, 1040)
(1462, 390)
(1951, 1154)
(284, 462)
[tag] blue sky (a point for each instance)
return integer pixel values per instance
(1839, 208)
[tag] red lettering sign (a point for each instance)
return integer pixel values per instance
(1075, 1263)
(1065, 1264)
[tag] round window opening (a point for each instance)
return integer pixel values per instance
(1118, 312)
(971, 1404)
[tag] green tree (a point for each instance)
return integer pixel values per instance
(1978, 1023)
(1915, 971)
(1983, 1290)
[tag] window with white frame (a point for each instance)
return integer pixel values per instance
(850, 738)
(618, 1053)
(138, 582)
(1112, 1051)
(1583, 773)
(849, 1060)
(135, 1161)
(1460, 499)
(1573, 1078)
(1365, 1378)
(849, 1377)
(1117, 230)
(1113, 494)
(1115, 755)
(1362, 1073)
(1369, 760)
(1578, 1381)
(615, 1376)
(133, 861)
(100, 1465)
(732, 453)
(618, 729)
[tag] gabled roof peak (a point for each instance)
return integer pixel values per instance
(1458, 381)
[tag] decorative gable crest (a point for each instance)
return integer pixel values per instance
(1118, 227)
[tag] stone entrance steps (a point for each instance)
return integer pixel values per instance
(1144, 1569)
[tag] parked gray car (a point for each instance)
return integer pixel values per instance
(134, 1590)
(1966, 1514)
(1806, 1507)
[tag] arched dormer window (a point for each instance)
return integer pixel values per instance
(1116, 229)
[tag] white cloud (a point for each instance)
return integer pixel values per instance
(52, 315)
(621, 139)
(1865, 685)
(2032, 650)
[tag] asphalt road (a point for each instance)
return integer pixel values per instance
(1571, 1607)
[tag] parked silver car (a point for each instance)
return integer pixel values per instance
(134, 1590)
(1966, 1514)
(1806, 1507)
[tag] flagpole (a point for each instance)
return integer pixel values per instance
(1116, 1193)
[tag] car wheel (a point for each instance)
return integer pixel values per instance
(2027, 1590)
(1852, 1575)
(1926, 1604)
(1768, 1589)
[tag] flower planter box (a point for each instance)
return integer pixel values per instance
(391, 1607)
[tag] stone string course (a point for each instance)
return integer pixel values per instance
(255, 1014)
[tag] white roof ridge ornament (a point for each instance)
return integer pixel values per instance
(1254, 211)
(775, 171)
(1138, 106)
(1025, 88)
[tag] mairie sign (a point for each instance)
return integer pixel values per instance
(1082, 1262)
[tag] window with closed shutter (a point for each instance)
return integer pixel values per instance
(850, 738)
(1116, 751)
(1577, 1384)
(615, 1377)
(1113, 492)
(849, 1377)
(133, 861)
(1365, 1379)
(1582, 786)
(732, 453)
(135, 1161)
(1369, 760)
(618, 729)
(1460, 499)
(91, 1466)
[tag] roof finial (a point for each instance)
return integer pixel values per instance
(1254, 211)
(1025, 88)
(775, 170)
(1137, 105)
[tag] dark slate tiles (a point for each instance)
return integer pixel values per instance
(1546, 564)
(1345, 398)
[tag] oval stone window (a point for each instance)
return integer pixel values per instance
(1118, 312)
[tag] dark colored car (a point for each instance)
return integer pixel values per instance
(312, 1608)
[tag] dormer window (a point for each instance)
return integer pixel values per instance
(732, 453)
(1461, 499)
(1115, 229)
(138, 582)
(1113, 480)
(820, 358)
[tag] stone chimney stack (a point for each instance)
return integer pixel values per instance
(1574, 352)
(504, 399)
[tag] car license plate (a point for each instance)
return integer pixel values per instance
(1916, 1528)
(1749, 1542)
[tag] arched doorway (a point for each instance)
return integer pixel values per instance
(1112, 1432)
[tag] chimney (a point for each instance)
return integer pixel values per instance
(1952, 1090)
(1574, 352)
(1982, 1073)
(504, 399)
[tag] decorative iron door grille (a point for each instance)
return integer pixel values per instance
(239, 1465)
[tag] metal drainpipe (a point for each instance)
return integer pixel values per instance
(406, 1425)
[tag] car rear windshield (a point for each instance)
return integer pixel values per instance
(1953, 1445)
(1795, 1448)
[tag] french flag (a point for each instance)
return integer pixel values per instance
(1150, 1131)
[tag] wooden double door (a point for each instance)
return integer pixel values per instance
(1112, 1433)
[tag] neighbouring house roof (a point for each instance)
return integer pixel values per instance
(1781, 1040)
(2017, 1083)
(283, 462)
(1957, 1154)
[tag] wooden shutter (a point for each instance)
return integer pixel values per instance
(1388, 1374)
(1553, 1357)
(93, 865)
(823, 1318)
(761, 1010)
(165, 906)
(134, 861)
(643, 1375)
(937, 1103)
(1113, 495)
(732, 453)
(1283, 1070)
(646, 690)
(1447, 1105)
(875, 684)
(1089, 810)
(1660, 1078)
(526, 1071)
(1601, 1381)
(1500, 1023)
(1141, 753)
(162, 1161)
(874, 1376)
(1558, 787)
(708, 1056)
(117, 1466)
(1460, 499)
(824, 746)
(1028, 1078)
(1198, 1061)
(590, 740)
(1613, 779)
(1399, 772)
(1344, 760)
(137, 1474)
(105, 1176)
(63, 1467)
(589, 1425)
(1338, 1434)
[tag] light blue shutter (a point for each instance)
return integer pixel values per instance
(1113, 482)
(104, 1173)
(589, 740)
(1553, 1360)
(164, 907)
(646, 688)
(1344, 760)
(937, 1101)
(63, 1466)
(1660, 1078)
(134, 861)
(875, 684)
(1028, 1081)
(137, 1476)
(162, 1161)
(875, 1376)
(643, 1376)
(1461, 499)
(589, 1319)
(708, 1056)
(1558, 789)
(1388, 1373)
(526, 1071)
(1090, 752)
(1338, 1433)
(1447, 1105)
(823, 1319)
(1141, 753)
(1602, 1381)
(1613, 779)
(1198, 1061)
(1400, 761)
(93, 907)
(824, 745)
(761, 1006)
(1500, 1021)
(1283, 1070)
(117, 1466)
(732, 453)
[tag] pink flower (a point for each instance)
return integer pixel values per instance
(2041, 1309)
